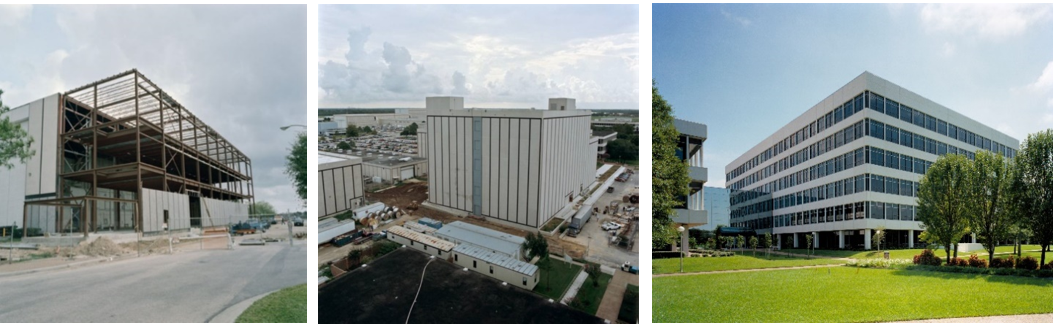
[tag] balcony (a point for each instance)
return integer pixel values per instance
(691, 217)
(698, 174)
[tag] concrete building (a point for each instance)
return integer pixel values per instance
(517, 167)
(380, 167)
(400, 117)
(690, 150)
(838, 171)
(340, 183)
(716, 203)
(602, 138)
(120, 154)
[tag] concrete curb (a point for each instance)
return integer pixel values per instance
(231, 313)
(63, 266)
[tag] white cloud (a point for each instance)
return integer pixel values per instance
(738, 19)
(13, 15)
(991, 21)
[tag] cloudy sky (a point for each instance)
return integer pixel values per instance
(493, 56)
(747, 70)
(241, 69)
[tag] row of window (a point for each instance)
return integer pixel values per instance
(882, 131)
(912, 116)
(848, 109)
(840, 188)
(842, 137)
(880, 104)
(847, 212)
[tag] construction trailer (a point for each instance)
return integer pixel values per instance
(120, 154)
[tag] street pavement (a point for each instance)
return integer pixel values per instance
(184, 287)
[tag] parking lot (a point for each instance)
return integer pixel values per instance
(598, 243)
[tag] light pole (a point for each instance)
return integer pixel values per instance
(681, 230)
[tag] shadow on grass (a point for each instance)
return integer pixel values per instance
(1015, 280)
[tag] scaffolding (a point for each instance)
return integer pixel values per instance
(122, 134)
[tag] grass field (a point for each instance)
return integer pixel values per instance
(844, 294)
(558, 278)
(629, 311)
(286, 305)
(736, 262)
(589, 297)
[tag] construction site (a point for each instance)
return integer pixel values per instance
(120, 159)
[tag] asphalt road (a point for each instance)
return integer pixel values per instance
(184, 287)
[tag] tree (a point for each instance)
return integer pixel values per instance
(297, 161)
(344, 145)
(262, 208)
(754, 245)
(809, 243)
(593, 270)
(410, 130)
(622, 149)
(711, 244)
(352, 131)
(768, 239)
(991, 195)
(879, 237)
(1032, 188)
(669, 175)
(367, 130)
(717, 234)
(730, 242)
(535, 245)
(14, 141)
(942, 201)
(740, 240)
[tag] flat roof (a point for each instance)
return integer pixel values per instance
(376, 158)
(488, 238)
(422, 238)
(501, 260)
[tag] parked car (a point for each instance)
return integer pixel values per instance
(630, 268)
(299, 222)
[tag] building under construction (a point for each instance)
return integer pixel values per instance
(120, 154)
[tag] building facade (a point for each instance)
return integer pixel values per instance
(693, 213)
(340, 185)
(517, 167)
(850, 164)
(121, 154)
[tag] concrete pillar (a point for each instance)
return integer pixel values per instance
(973, 238)
(911, 233)
(816, 243)
(684, 241)
(796, 237)
(868, 239)
(842, 240)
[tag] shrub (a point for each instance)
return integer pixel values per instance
(880, 263)
(957, 262)
(1048, 266)
(1008, 262)
(1027, 263)
(927, 257)
(975, 261)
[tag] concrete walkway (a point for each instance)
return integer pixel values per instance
(746, 270)
(612, 299)
(1022, 318)
(574, 287)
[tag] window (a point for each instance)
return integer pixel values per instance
(942, 128)
(837, 115)
(919, 166)
(859, 184)
(892, 160)
(892, 185)
(918, 142)
(906, 138)
(918, 118)
(876, 102)
(491, 269)
(849, 134)
(892, 134)
(848, 109)
(891, 108)
(456, 257)
(929, 146)
(859, 102)
(906, 114)
(474, 264)
(439, 252)
(425, 247)
(907, 163)
(929, 122)
(524, 281)
(952, 131)
(876, 129)
(859, 157)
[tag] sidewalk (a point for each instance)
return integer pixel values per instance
(747, 270)
(612, 299)
(1022, 318)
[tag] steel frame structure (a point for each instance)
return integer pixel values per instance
(147, 140)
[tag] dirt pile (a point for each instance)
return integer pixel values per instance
(100, 247)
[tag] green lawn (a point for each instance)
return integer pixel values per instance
(629, 311)
(844, 294)
(1028, 250)
(736, 262)
(554, 282)
(288, 305)
(589, 297)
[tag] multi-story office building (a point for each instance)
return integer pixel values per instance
(716, 203)
(690, 150)
(514, 166)
(850, 164)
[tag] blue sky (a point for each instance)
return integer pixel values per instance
(746, 70)
(241, 69)
(492, 55)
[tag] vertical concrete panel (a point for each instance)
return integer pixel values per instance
(320, 195)
(513, 171)
(469, 202)
(329, 187)
(47, 144)
(502, 168)
(495, 159)
(534, 168)
(486, 160)
(461, 166)
(524, 171)
(33, 165)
